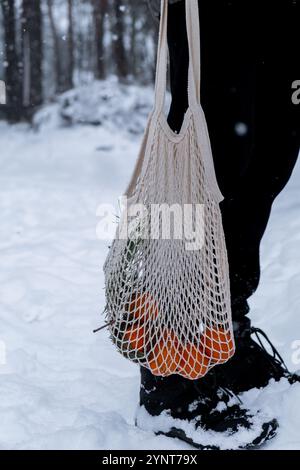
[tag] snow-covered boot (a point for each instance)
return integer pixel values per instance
(200, 413)
(253, 366)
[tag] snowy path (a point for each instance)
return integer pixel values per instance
(63, 387)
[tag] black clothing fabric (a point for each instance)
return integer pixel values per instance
(255, 362)
(249, 61)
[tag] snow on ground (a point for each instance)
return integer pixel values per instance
(62, 387)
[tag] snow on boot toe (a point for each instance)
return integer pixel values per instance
(250, 429)
(201, 413)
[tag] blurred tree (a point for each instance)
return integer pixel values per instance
(119, 50)
(13, 73)
(134, 14)
(52, 45)
(70, 47)
(63, 48)
(32, 52)
(58, 66)
(143, 34)
(99, 12)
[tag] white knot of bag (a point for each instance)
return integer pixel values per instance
(166, 273)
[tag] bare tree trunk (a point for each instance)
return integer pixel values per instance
(133, 42)
(119, 50)
(99, 11)
(58, 66)
(13, 75)
(32, 42)
(70, 47)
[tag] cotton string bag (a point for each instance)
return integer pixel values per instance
(167, 300)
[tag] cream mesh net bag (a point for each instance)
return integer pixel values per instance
(166, 274)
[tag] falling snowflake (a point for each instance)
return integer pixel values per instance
(241, 128)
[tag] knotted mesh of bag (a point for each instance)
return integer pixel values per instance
(167, 285)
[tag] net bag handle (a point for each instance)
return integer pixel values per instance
(194, 77)
(193, 34)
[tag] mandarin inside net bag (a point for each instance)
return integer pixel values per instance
(166, 273)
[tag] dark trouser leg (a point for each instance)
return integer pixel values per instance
(247, 205)
(253, 125)
(254, 131)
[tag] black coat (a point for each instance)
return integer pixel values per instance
(249, 62)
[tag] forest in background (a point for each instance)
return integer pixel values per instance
(49, 46)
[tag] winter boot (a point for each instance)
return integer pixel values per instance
(252, 366)
(200, 413)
